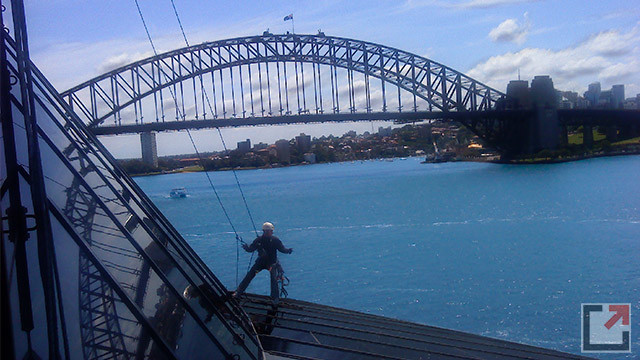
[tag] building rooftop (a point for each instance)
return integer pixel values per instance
(303, 330)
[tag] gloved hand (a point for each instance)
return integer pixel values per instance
(245, 247)
(290, 250)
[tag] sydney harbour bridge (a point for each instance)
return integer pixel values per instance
(282, 79)
(300, 79)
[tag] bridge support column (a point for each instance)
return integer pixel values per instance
(612, 133)
(587, 136)
(149, 148)
(564, 135)
(628, 132)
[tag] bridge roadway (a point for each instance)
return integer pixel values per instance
(398, 117)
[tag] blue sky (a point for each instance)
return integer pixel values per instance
(576, 42)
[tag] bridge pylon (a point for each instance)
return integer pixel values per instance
(149, 148)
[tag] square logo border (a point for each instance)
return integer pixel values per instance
(624, 348)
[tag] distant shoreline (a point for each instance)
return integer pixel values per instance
(565, 159)
(201, 169)
(507, 162)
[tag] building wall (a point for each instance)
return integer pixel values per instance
(284, 153)
(244, 146)
(304, 142)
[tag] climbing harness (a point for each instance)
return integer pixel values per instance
(283, 280)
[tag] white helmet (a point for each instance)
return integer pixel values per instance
(267, 226)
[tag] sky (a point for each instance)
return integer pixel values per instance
(575, 42)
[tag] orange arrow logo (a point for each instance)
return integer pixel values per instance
(622, 311)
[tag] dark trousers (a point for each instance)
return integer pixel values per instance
(255, 269)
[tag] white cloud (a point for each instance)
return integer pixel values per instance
(511, 30)
(116, 61)
(610, 57)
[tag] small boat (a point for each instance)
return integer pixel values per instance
(178, 193)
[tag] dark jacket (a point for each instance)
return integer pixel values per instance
(267, 247)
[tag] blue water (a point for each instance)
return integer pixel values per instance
(499, 250)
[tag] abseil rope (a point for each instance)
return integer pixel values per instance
(224, 145)
(180, 114)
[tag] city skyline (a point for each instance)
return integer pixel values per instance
(576, 43)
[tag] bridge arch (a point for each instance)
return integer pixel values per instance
(143, 84)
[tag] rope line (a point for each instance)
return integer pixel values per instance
(182, 115)
(224, 144)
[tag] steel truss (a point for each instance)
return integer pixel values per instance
(144, 84)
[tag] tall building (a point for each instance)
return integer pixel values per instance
(382, 131)
(284, 154)
(593, 94)
(303, 142)
(617, 96)
(244, 146)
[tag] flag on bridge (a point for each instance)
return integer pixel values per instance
(288, 17)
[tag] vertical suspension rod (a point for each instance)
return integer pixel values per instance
(155, 93)
(184, 113)
(317, 58)
(366, 79)
(382, 77)
(295, 67)
(397, 60)
(233, 93)
(244, 112)
(279, 87)
(286, 87)
(350, 78)
(304, 96)
(335, 76)
(253, 113)
(260, 83)
(195, 93)
(213, 89)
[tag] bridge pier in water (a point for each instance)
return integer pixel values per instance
(612, 133)
(539, 128)
(149, 148)
(587, 136)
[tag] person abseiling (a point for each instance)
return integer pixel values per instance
(267, 246)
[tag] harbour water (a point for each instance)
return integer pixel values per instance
(499, 250)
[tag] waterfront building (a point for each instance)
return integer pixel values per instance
(310, 158)
(384, 131)
(244, 146)
(593, 94)
(283, 151)
(303, 142)
(260, 146)
(617, 96)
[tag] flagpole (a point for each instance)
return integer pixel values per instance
(293, 27)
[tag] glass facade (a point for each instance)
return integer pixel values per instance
(91, 269)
